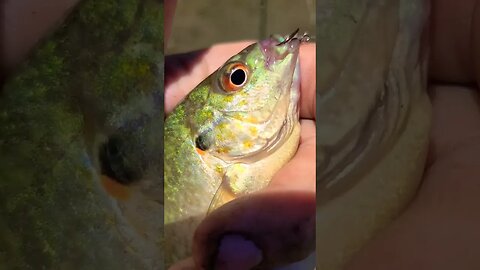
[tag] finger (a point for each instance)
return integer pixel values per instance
(187, 76)
(439, 229)
(272, 229)
(458, 114)
(299, 173)
(170, 6)
(308, 81)
(476, 41)
(24, 23)
(188, 70)
(187, 264)
(451, 35)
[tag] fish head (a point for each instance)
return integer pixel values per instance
(252, 101)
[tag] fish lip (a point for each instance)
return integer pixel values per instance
(270, 47)
(276, 141)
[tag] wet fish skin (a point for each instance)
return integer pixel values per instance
(99, 75)
(196, 181)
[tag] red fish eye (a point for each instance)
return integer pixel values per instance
(235, 77)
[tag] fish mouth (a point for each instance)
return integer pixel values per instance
(276, 48)
(287, 105)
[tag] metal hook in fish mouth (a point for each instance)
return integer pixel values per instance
(293, 36)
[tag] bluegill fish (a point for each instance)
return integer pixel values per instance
(230, 135)
(81, 127)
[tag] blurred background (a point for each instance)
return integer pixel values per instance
(199, 24)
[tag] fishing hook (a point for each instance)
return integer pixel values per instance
(293, 36)
(289, 37)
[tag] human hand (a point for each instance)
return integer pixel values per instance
(24, 23)
(282, 236)
(299, 205)
(439, 230)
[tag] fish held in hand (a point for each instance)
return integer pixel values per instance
(230, 135)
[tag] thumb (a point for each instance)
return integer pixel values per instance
(262, 230)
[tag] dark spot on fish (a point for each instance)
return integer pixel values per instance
(117, 163)
(203, 142)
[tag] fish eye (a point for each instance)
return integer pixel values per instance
(235, 77)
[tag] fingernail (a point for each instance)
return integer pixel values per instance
(236, 252)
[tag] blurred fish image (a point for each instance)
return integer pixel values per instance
(81, 148)
(373, 120)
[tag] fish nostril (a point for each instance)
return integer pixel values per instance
(117, 162)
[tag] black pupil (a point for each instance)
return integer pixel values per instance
(238, 77)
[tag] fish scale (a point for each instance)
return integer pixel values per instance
(248, 134)
(97, 77)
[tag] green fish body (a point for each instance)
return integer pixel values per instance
(229, 136)
(81, 126)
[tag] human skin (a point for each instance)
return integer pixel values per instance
(182, 76)
(28, 34)
(62, 113)
(439, 228)
(301, 196)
